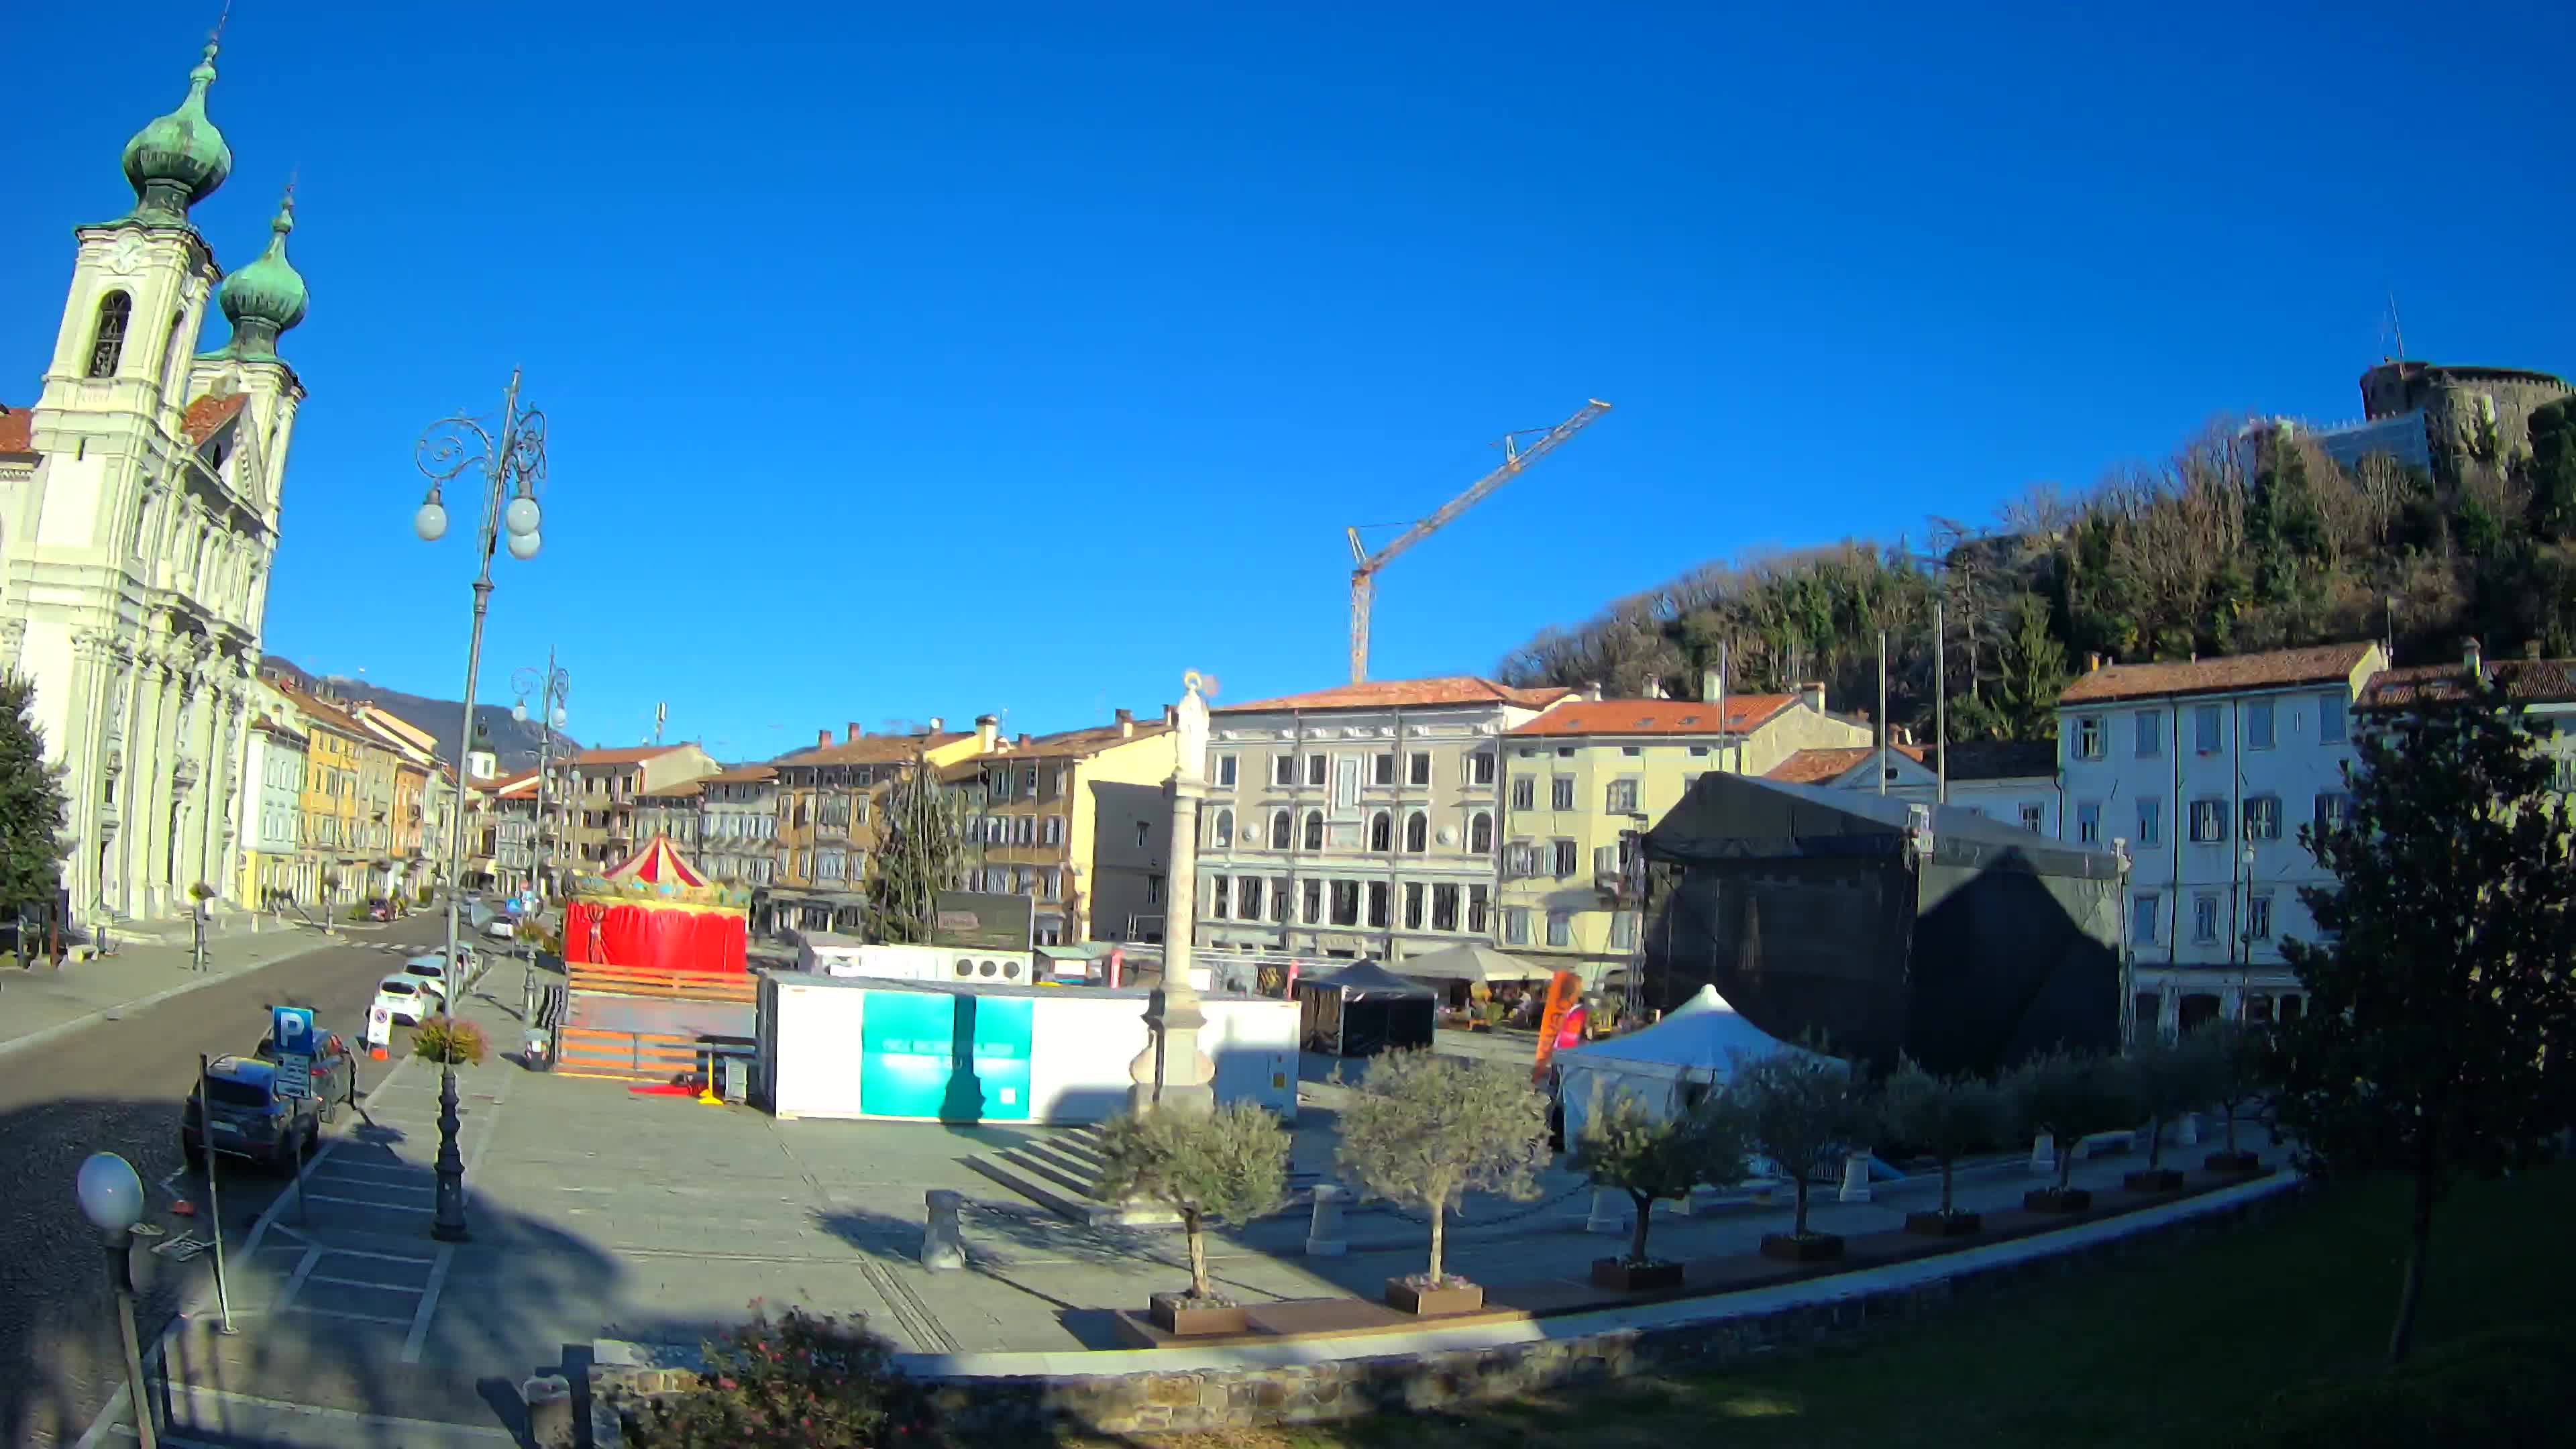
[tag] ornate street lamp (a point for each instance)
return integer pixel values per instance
(509, 465)
(111, 1197)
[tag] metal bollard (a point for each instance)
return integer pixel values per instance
(549, 1401)
(1855, 1177)
(1324, 1234)
(2043, 1155)
(942, 1247)
(1610, 1208)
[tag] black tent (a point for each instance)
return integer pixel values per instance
(1365, 1009)
(1884, 926)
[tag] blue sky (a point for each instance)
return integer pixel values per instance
(933, 360)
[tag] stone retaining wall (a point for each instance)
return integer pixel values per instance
(1257, 1395)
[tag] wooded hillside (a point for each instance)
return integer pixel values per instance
(2227, 547)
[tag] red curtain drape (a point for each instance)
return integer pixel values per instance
(647, 939)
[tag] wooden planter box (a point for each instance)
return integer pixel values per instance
(1944, 1225)
(1620, 1276)
(2153, 1179)
(1452, 1297)
(1178, 1313)
(1813, 1248)
(2233, 1162)
(2051, 1200)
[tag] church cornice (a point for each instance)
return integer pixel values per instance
(201, 254)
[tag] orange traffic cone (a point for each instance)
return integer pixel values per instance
(183, 1208)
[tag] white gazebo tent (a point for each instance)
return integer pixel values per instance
(1668, 1067)
(1470, 962)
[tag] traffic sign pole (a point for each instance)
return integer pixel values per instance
(214, 1205)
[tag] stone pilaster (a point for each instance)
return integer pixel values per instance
(1172, 1074)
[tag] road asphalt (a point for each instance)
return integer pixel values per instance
(115, 1085)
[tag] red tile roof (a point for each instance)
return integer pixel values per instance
(2524, 681)
(635, 756)
(1655, 716)
(742, 775)
(208, 413)
(1823, 767)
(2279, 669)
(1090, 740)
(1390, 693)
(870, 749)
(17, 426)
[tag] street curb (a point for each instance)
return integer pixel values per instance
(62, 1029)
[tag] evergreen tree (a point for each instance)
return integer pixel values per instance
(2035, 673)
(32, 810)
(921, 853)
(2440, 1007)
(2550, 471)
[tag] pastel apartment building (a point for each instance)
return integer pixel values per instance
(830, 800)
(2013, 781)
(609, 798)
(1584, 777)
(1361, 820)
(2207, 769)
(1078, 822)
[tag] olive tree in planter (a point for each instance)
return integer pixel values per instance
(1625, 1145)
(1945, 1118)
(2069, 1096)
(2229, 1060)
(1428, 1129)
(2171, 1078)
(1230, 1165)
(1804, 1112)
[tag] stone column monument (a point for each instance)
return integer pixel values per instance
(1171, 1072)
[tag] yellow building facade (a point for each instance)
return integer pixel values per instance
(1079, 823)
(1581, 780)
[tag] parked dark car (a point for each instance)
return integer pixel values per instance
(250, 1118)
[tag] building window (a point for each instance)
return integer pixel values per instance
(2258, 724)
(1283, 832)
(1220, 896)
(2330, 726)
(1444, 908)
(1565, 859)
(1382, 768)
(2151, 822)
(2208, 728)
(1316, 768)
(1144, 835)
(1417, 832)
(1480, 768)
(2143, 911)
(1477, 907)
(1024, 831)
(1524, 792)
(2034, 818)
(1623, 930)
(1346, 903)
(1623, 797)
(1377, 899)
(1249, 898)
(1561, 795)
(2258, 916)
(2208, 821)
(2332, 806)
(1418, 770)
(1279, 898)
(1314, 830)
(1312, 902)
(1381, 832)
(1225, 771)
(1480, 833)
(2204, 919)
(1518, 861)
(1516, 926)
(1560, 928)
(1413, 905)
(2088, 737)
(1223, 831)
(2263, 817)
(2151, 734)
(1153, 890)
(1283, 769)
(2088, 822)
(107, 345)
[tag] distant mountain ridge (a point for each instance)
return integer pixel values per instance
(515, 742)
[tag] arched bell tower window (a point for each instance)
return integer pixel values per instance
(114, 311)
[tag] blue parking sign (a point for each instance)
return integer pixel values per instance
(290, 1028)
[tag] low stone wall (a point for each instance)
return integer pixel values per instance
(1261, 1395)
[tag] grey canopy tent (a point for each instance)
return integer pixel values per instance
(1363, 1010)
(1879, 927)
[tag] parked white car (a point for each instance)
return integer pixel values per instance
(501, 928)
(408, 999)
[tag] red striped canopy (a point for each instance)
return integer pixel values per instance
(658, 863)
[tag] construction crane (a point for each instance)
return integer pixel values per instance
(1364, 574)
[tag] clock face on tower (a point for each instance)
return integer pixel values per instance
(125, 257)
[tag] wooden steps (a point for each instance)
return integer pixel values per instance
(1060, 1171)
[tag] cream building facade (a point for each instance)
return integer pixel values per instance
(139, 515)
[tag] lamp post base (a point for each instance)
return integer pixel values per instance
(449, 1224)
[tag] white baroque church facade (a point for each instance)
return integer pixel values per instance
(138, 522)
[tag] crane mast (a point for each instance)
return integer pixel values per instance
(1366, 564)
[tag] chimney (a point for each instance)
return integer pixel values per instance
(937, 724)
(2530, 648)
(987, 729)
(1711, 690)
(1813, 695)
(2471, 657)
(1023, 742)
(1654, 686)
(854, 732)
(2092, 661)
(1592, 690)
(822, 738)
(1126, 723)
